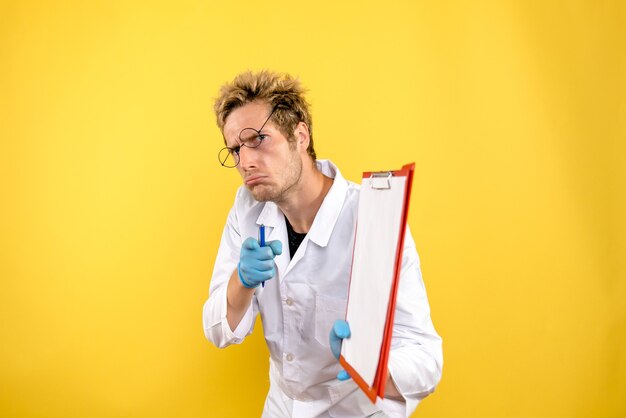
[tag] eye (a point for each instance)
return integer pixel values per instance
(235, 150)
(261, 137)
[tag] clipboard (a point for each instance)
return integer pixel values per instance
(374, 277)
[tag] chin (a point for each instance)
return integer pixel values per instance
(262, 194)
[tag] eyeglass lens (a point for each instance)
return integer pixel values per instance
(248, 137)
(228, 158)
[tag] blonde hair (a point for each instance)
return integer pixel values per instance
(279, 90)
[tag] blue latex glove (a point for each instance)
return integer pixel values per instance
(256, 263)
(338, 332)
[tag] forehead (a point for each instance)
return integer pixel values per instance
(250, 115)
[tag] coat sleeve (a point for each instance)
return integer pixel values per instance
(216, 328)
(416, 358)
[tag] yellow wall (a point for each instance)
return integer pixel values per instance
(112, 201)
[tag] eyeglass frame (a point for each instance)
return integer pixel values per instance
(235, 151)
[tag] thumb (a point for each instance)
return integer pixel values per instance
(338, 332)
(341, 328)
(276, 246)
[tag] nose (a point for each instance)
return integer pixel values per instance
(247, 158)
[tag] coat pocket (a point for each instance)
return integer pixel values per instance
(327, 310)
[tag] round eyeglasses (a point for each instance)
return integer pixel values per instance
(248, 137)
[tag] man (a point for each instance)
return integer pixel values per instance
(301, 290)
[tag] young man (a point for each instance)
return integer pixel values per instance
(301, 290)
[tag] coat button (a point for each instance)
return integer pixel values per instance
(289, 301)
(289, 357)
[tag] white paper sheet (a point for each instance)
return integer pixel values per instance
(378, 229)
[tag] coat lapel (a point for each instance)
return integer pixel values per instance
(275, 229)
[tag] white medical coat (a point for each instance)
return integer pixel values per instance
(300, 304)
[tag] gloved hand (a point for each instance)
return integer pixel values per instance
(338, 332)
(256, 263)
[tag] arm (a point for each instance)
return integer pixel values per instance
(256, 266)
(221, 328)
(415, 360)
(238, 299)
(240, 268)
(391, 390)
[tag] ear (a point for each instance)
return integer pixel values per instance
(302, 135)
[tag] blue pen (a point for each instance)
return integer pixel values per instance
(262, 242)
(262, 235)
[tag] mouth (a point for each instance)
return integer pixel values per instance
(254, 180)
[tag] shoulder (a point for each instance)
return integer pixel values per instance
(353, 191)
(350, 188)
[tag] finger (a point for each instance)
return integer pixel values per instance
(276, 246)
(343, 375)
(341, 328)
(265, 253)
(258, 253)
(258, 275)
(260, 265)
(254, 278)
(265, 275)
(335, 343)
(261, 254)
(250, 244)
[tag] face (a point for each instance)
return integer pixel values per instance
(271, 171)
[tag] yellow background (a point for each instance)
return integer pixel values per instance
(112, 200)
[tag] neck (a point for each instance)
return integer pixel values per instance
(301, 208)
